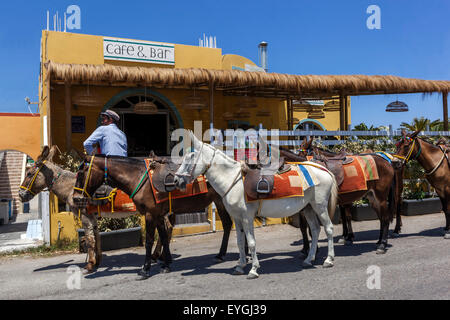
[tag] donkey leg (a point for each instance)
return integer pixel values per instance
(315, 228)
(239, 269)
(157, 251)
(167, 257)
(384, 228)
(227, 224)
(350, 236)
(446, 209)
(89, 236)
(328, 227)
(304, 230)
(150, 226)
(250, 235)
(344, 224)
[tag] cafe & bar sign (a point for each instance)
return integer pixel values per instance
(138, 51)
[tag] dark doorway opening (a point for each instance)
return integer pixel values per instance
(146, 132)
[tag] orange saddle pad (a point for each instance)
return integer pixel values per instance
(286, 185)
(357, 173)
(122, 203)
(199, 186)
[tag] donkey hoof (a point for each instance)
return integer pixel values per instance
(395, 235)
(218, 259)
(348, 242)
(143, 274)
(328, 264)
(341, 240)
(307, 264)
(447, 236)
(381, 251)
(252, 275)
(238, 271)
(164, 270)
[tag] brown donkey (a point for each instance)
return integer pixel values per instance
(130, 176)
(47, 175)
(381, 193)
(435, 160)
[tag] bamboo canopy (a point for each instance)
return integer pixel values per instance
(237, 82)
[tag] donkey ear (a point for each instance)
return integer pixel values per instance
(415, 134)
(44, 154)
(403, 133)
(196, 142)
(51, 153)
(152, 154)
(80, 154)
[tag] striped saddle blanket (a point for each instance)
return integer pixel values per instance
(357, 173)
(292, 183)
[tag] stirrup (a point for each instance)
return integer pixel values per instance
(265, 189)
(169, 183)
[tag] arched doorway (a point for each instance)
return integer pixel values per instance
(146, 132)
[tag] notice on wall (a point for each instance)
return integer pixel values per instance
(138, 51)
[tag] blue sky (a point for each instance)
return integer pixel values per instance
(305, 37)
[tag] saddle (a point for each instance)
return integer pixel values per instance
(335, 164)
(257, 185)
(163, 176)
(100, 195)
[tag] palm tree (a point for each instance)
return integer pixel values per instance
(417, 124)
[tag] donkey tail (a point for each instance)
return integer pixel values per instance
(332, 202)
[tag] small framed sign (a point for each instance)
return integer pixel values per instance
(78, 124)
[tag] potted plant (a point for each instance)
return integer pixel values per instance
(117, 233)
(418, 196)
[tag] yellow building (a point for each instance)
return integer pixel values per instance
(82, 75)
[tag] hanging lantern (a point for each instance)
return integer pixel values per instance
(145, 107)
(332, 105)
(247, 102)
(227, 116)
(241, 114)
(86, 99)
(397, 106)
(316, 114)
(194, 102)
(263, 113)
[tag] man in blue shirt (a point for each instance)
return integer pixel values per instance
(111, 139)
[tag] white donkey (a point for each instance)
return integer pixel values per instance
(225, 176)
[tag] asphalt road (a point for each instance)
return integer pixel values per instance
(416, 266)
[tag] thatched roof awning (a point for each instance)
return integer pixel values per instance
(236, 82)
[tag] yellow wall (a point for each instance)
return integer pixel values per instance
(21, 133)
(74, 48)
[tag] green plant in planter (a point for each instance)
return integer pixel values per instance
(110, 224)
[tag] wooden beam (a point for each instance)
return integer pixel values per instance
(68, 112)
(211, 108)
(445, 106)
(341, 113)
(346, 112)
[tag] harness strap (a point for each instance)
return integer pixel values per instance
(84, 191)
(437, 166)
(33, 179)
(140, 182)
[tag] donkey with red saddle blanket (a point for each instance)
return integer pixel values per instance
(366, 175)
(134, 177)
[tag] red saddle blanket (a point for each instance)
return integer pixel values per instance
(286, 185)
(357, 173)
(199, 186)
(121, 203)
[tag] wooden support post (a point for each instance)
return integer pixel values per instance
(445, 106)
(68, 112)
(341, 113)
(346, 112)
(211, 109)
